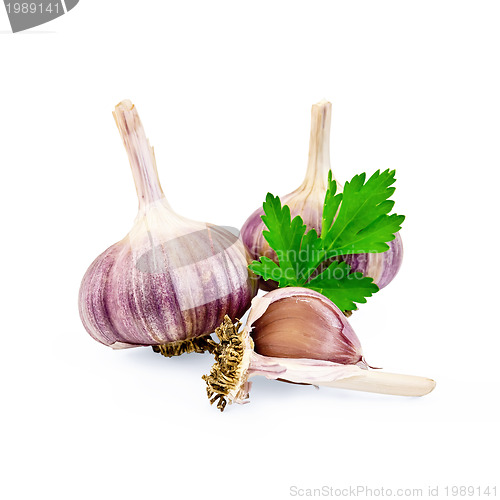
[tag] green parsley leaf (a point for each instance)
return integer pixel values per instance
(311, 252)
(354, 221)
(332, 203)
(362, 224)
(284, 236)
(342, 287)
(269, 270)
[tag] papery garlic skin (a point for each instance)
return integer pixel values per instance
(260, 349)
(170, 279)
(383, 266)
(307, 201)
(237, 362)
(123, 302)
(324, 349)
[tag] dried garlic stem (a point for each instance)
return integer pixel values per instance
(140, 153)
(319, 147)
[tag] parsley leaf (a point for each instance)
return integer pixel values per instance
(269, 270)
(342, 287)
(332, 203)
(354, 221)
(362, 224)
(284, 236)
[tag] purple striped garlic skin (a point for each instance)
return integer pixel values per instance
(139, 292)
(310, 208)
(382, 267)
(171, 278)
(307, 201)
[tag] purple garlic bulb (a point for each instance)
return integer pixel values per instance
(307, 201)
(171, 280)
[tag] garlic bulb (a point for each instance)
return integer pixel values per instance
(297, 335)
(307, 201)
(171, 280)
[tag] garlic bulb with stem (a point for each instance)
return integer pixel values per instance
(307, 201)
(170, 281)
(297, 335)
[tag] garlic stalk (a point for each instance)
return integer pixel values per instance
(171, 280)
(297, 335)
(307, 201)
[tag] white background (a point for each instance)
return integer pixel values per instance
(224, 90)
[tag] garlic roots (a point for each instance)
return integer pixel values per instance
(170, 282)
(297, 335)
(307, 201)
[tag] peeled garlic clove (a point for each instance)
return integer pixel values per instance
(307, 201)
(171, 280)
(297, 335)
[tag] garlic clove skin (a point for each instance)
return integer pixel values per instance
(171, 279)
(302, 323)
(307, 201)
(257, 349)
(286, 352)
